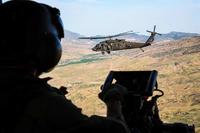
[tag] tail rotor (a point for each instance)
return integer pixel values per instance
(154, 31)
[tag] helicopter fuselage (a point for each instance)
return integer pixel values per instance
(117, 44)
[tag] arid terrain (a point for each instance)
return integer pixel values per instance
(178, 64)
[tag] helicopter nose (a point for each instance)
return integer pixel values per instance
(94, 49)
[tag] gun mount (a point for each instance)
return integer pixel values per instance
(140, 104)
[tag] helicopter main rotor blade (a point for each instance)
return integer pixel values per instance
(91, 38)
(111, 36)
(149, 31)
(127, 32)
(157, 33)
(120, 34)
(154, 32)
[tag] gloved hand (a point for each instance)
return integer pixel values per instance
(115, 92)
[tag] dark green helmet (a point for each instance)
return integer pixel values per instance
(30, 33)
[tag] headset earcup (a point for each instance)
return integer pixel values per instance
(48, 53)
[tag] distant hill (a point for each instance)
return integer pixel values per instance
(73, 37)
(69, 35)
(176, 35)
(169, 36)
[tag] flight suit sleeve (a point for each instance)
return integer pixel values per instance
(68, 118)
(59, 115)
(98, 124)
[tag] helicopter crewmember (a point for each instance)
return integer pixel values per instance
(30, 45)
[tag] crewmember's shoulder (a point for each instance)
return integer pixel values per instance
(51, 106)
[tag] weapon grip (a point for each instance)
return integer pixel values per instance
(108, 81)
(151, 83)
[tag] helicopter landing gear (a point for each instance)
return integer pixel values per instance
(108, 51)
(141, 49)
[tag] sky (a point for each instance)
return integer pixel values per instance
(107, 17)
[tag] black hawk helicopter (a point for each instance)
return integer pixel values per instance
(120, 44)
